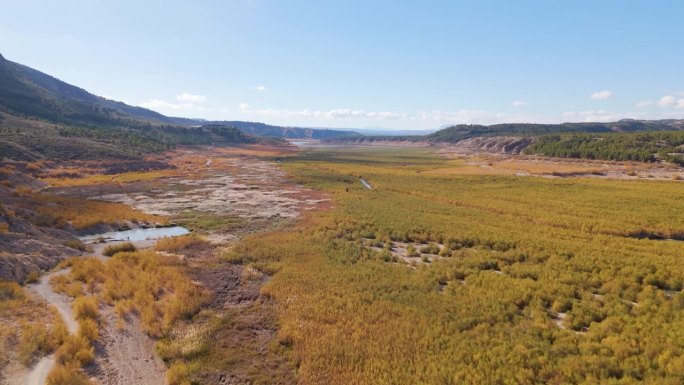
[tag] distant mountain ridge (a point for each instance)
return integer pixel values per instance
(29, 93)
(465, 131)
(262, 129)
(457, 133)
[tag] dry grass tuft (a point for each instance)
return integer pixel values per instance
(120, 248)
(76, 350)
(67, 375)
(187, 244)
(178, 374)
(86, 307)
(88, 329)
(35, 340)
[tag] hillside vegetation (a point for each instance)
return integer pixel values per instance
(34, 140)
(642, 147)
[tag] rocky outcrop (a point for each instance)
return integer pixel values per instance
(494, 144)
(22, 254)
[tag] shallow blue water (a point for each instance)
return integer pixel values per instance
(299, 144)
(138, 234)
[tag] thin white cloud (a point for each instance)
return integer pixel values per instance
(185, 97)
(680, 103)
(460, 116)
(644, 103)
(436, 117)
(519, 103)
(598, 116)
(338, 113)
(157, 103)
(601, 95)
(185, 102)
(667, 101)
(260, 88)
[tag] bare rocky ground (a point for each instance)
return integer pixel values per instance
(26, 247)
(254, 191)
(23, 254)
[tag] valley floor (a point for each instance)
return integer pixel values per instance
(466, 270)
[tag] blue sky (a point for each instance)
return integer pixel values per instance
(400, 65)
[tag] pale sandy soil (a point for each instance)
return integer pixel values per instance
(245, 187)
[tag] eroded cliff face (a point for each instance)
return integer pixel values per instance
(496, 144)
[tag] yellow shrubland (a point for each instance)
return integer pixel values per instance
(59, 212)
(29, 329)
(174, 244)
(523, 251)
(144, 282)
(128, 177)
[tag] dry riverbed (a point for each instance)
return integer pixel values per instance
(222, 194)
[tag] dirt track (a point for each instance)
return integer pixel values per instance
(39, 372)
(126, 356)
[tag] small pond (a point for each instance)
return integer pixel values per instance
(137, 234)
(299, 143)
